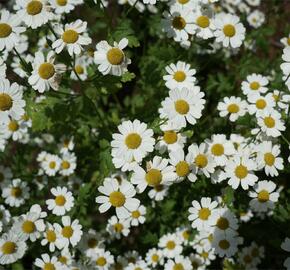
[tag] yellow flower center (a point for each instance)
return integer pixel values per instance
(62, 259)
(254, 85)
(241, 171)
(28, 226)
(201, 160)
(269, 122)
(65, 165)
(92, 243)
(136, 214)
(204, 254)
(52, 164)
(101, 261)
(217, 149)
(79, 69)
(6, 102)
(158, 188)
(115, 56)
(67, 231)
(179, 76)
(204, 213)
(170, 245)
(181, 106)
(13, 126)
(46, 71)
(288, 41)
(247, 259)
(178, 23)
(153, 177)
(202, 21)
(182, 168)
(8, 248)
(50, 236)
(118, 227)
(133, 140)
(224, 244)
(5, 30)
(229, 30)
(178, 266)
(269, 159)
(183, 2)
(34, 7)
(263, 196)
(60, 200)
(155, 258)
(61, 2)
(233, 108)
(48, 266)
(261, 104)
(70, 36)
(276, 97)
(117, 199)
(186, 235)
(16, 192)
(222, 223)
(170, 137)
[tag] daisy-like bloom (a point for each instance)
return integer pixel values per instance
(286, 41)
(49, 237)
(286, 246)
(282, 100)
(119, 196)
(240, 171)
(13, 129)
(235, 107)
(102, 260)
(157, 173)
(256, 18)
(132, 143)
(270, 122)
(11, 101)
(68, 164)
(154, 257)
(63, 201)
(12, 248)
(64, 6)
(203, 214)
(171, 245)
(65, 258)
(5, 215)
(183, 106)
(91, 242)
(220, 148)
(112, 59)
(229, 31)
(132, 256)
(264, 196)
(183, 165)
(203, 162)
(268, 158)
(66, 145)
(178, 263)
(255, 83)
(158, 193)
(51, 164)
(196, 262)
(70, 233)
(30, 225)
(80, 68)
(116, 228)
(15, 193)
(285, 67)
(9, 30)
(184, 233)
(178, 23)
(258, 104)
(245, 259)
(203, 24)
(120, 263)
(34, 13)
(5, 175)
(257, 252)
(138, 216)
(45, 72)
(139, 265)
(225, 222)
(47, 263)
(72, 37)
(179, 75)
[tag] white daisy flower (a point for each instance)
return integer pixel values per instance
(45, 73)
(13, 129)
(226, 222)
(72, 37)
(120, 263)
(132, 143)
(111, 59)
(179, 75)
(119, 196)
(286, 41)
(264, 196)
(70, 233)
(9, 30)
(11, 101)
(256, 18)
(15, 193)
(65, 258)
(117, 228)
(255, 83)
(270, 122)
(171, 245)
(64, 6)
(138, 216)
(12, 248)
(68, 164)
(259, 104)
(235, 107)
(154, 257)
(102, 260)
(80, 68)
(91, 242)
(178, 23)
(139, 265)
(178, 263)
(229, 31)
(183, 106)
(203, 24)
(34, 13)
(46, 262)
(62, 203)
(245, 216)
(66, 145)
(226, 245)
(49, 237)
(282, 100)
(158, 193)
(203, 214)
(257, 252)
(5, 215)
(188, 4)
(51, 164)
(157, 173)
